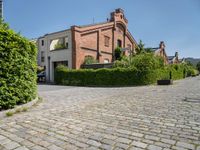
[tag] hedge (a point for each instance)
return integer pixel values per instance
(103, 77)
(17, 69)
(115, 76)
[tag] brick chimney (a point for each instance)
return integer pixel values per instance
(118, 14)
(162, 45)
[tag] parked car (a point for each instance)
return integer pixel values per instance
(41, 77)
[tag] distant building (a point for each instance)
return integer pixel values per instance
(72, 46)
(173, 59)
(1, 9)
(183, 60)
(160, 51)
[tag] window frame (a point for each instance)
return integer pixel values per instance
(106, 41)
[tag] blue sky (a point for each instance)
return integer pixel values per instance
(177, 22)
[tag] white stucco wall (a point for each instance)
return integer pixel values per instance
(52, 56)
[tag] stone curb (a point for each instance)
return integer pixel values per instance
(27, 105)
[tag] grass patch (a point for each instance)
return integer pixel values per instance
(24, 109)
(9, 114)
(18, 110)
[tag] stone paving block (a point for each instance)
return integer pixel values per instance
(135, 148)
(108, 141)
(22, 148)
(11, 145)
(54, 147)
(5, 141)
(139, 144)
(27, 143)
(185, 145)
(106, 147)
(153, 147)
(38, 148)
(123, 140)
(168, 141)
(94, 143)
(137, 134)
(2, 137)
(178, 148)
(154, 138)
(122, 145)
(81, 145)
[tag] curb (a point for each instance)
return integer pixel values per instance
(27, 105)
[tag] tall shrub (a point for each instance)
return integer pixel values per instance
(17, 69)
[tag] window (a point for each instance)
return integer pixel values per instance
(107, 41)
(66, 42)
(42, 57)
(59, 43)
(42, 42)
(64, 63)
(119, 43)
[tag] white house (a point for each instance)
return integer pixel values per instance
(54, 49)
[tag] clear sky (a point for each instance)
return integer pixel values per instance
(176, 22)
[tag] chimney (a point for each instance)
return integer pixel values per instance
(176, 54)
(162, 45)
(114, 14)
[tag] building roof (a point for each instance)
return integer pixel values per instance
(171, 57)
(153, 49)
(94, 24)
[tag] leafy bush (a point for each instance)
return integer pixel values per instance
(105, 77)
(17, 69)
(59, 46)
(143, 62)
(118, 53)
(146, 62)
(90, 60)
(198, 66)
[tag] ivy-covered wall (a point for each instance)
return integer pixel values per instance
(17, 69)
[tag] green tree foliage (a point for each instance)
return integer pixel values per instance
(143, 61)
(90, 60)
(59, 46)
(140, 48)
(198, 66)
(17, 69)
(3, 25)
(118, 53)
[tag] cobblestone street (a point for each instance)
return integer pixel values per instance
(133, 118)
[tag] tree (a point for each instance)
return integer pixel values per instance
(3, 25)
(118, 53)
(198, 66)
(140, 48)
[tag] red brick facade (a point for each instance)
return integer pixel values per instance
(100, 40)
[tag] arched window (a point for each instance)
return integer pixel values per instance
(119, 43)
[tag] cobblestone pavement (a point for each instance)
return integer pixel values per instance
(133, 118)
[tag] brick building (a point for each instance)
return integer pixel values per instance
(71, 47)
(160, 51)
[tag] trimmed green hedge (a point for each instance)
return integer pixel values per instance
(103, 77)
(116, 76)
(17, 69)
